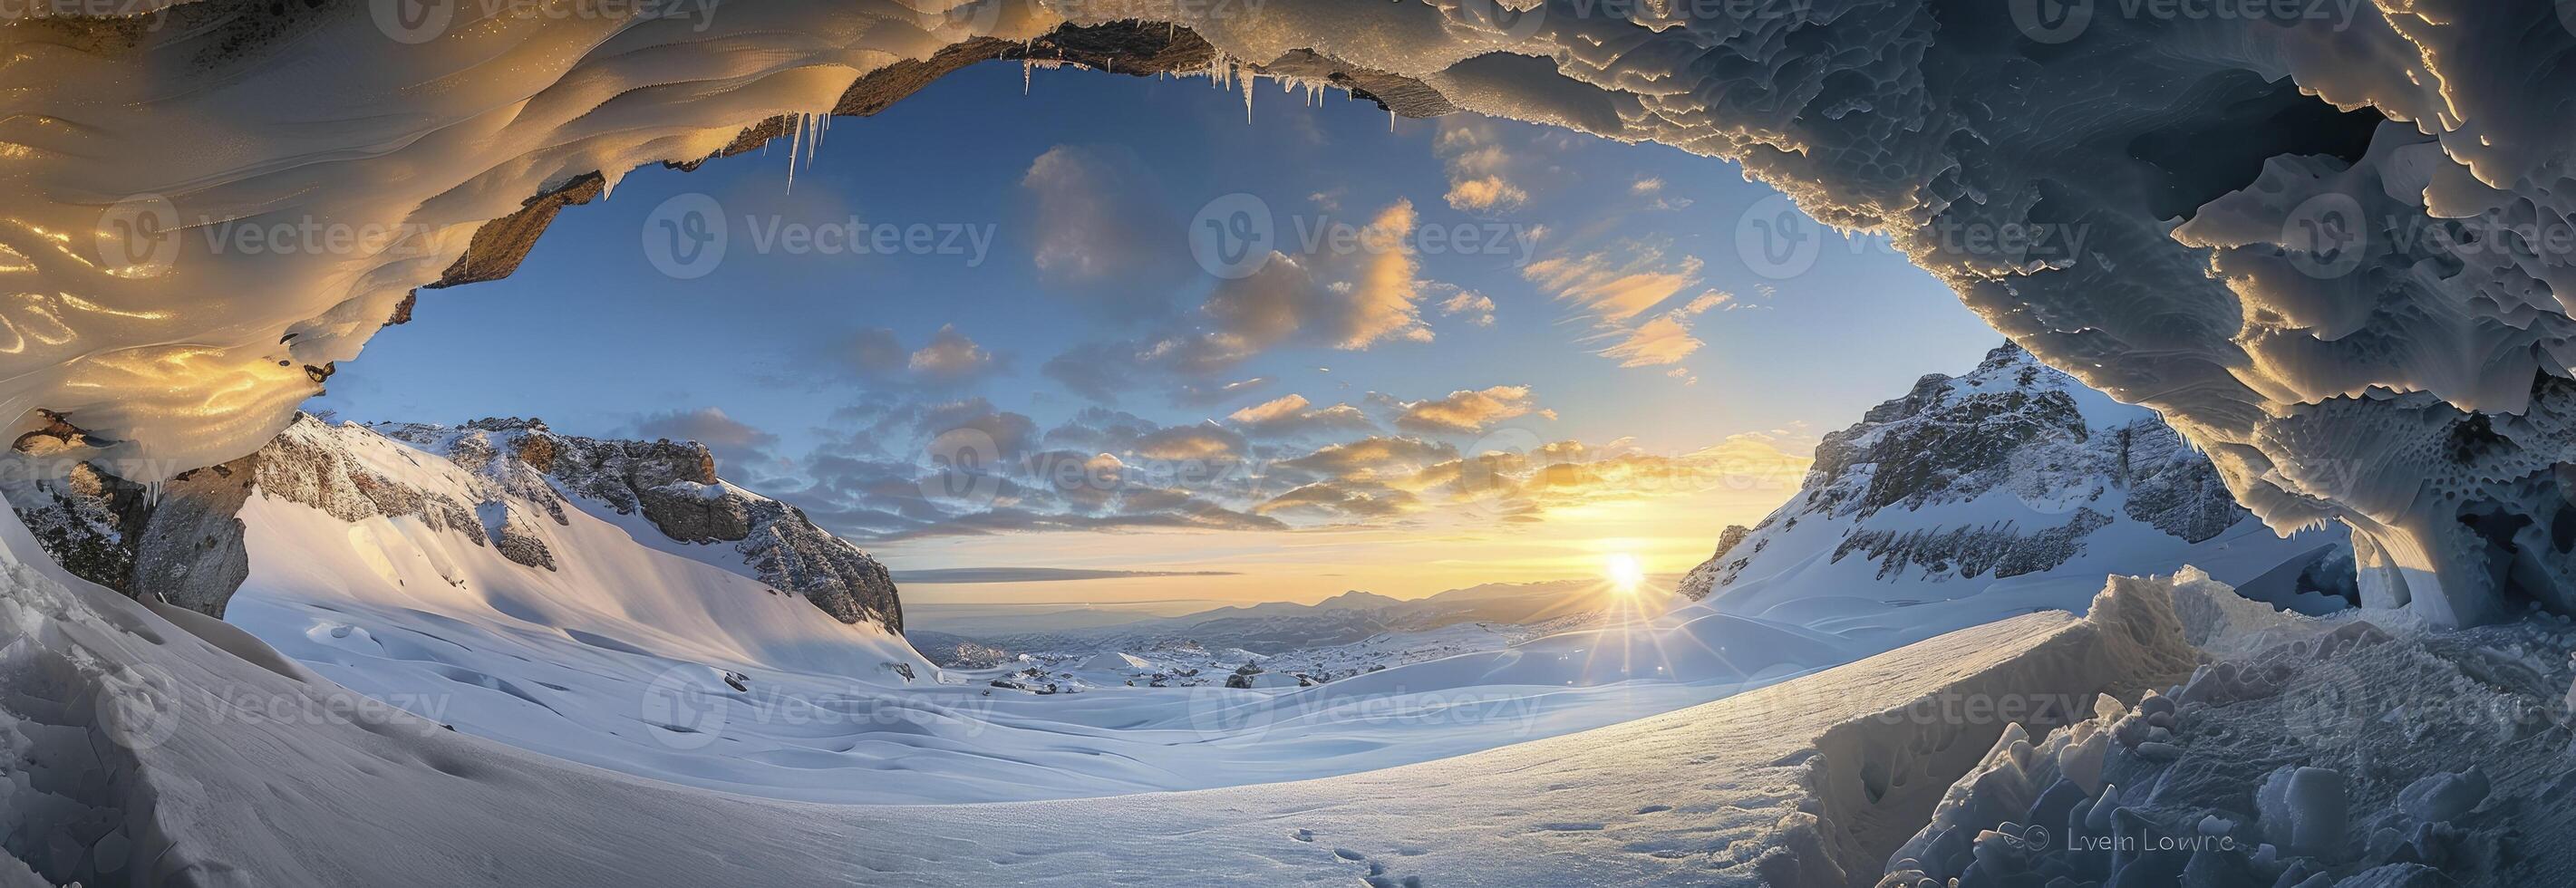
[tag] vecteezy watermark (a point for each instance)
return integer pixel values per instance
(420, 21)
(1225, 715)
(1514, 20)
(142, 236)
(688, 236)
(965, 466)
(2324, 235)
(2058, 21)
(690, 714)
(1234, 236)
(138, 237)
(968, 467)
(1776, 240)
(140, 707)
(692, 707)
(685, 236)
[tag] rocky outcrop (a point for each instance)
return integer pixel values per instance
(674, 486)
(185, 545)
(181, 542)
(2009, 470)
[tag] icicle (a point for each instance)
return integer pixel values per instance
(1027, 67)
(1247, 101)
(1390, 119)
(795, 138)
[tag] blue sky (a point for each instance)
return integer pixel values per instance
(1088, 327)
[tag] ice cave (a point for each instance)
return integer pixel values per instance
(2318, 244)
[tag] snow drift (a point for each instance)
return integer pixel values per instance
(132, 746)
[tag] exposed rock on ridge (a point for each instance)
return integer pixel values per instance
(187, 546)
(1900, 481)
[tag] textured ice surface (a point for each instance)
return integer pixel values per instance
(2309, 749)
(2170, 207)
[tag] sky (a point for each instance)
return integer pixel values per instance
(1119, 327)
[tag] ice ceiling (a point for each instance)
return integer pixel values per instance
(2325, 238)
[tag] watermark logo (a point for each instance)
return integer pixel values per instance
(689, 716)
(138, 706)
(2052, 21)
(1233, 236)
(971, 16)
(1776, 240)
(1490, 470)
(413, 22)
(138, 237)
(2325, 236)
(965, 465)
(1514, 23)
(2030, 839)
(685, 236)
(1221, 713)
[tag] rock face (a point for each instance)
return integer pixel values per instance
(186, 545)
(2012, 469)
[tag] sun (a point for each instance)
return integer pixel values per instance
(1623, 572)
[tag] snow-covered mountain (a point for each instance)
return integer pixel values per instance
(510, 487)
(1276, 627)
(2010, 488)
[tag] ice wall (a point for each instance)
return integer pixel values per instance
(2324, 240)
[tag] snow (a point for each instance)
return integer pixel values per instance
(2306, 749)
(1793, 784)
(663, 660)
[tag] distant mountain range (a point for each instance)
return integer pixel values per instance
(1279, 626)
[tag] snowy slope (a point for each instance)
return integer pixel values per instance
(136, 757)
(589, 600)
(2005, 490)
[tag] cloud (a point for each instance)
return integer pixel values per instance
(1108, 470)
(1469, 411)
(1195, 395)
(949, 360)
(950, 357)
(1349, 302)
(1479, 169)
(1340, 500)
(1206, 442)
(1352, 300)
(1646, 185)
(1012, 434)
(1476, 308)
(1292, 416)
(1613, 288)
(1376, 456)
(1660, 340)
(1620, 292)
(900, 476)
(1103, 232)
